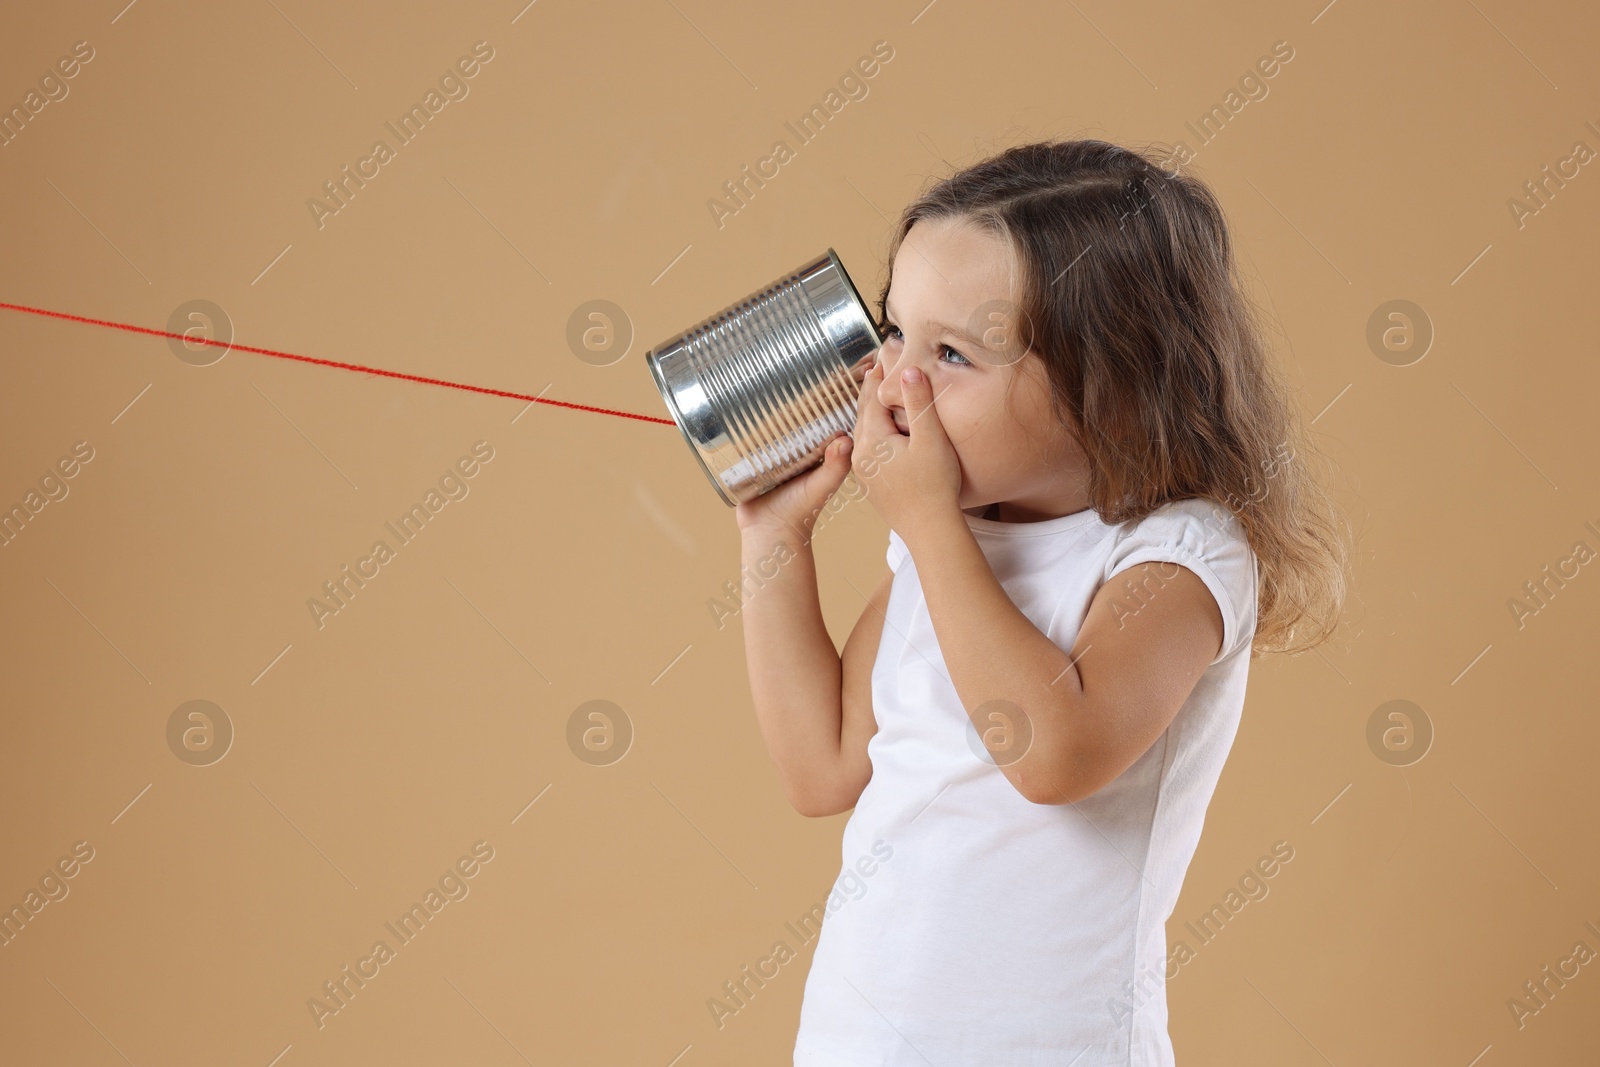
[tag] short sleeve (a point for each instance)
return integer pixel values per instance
(897, 551)
(1208, 539)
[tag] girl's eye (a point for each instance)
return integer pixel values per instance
(891, 332)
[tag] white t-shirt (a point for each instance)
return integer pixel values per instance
(977, 927)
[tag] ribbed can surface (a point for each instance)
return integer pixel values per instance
(759, 388)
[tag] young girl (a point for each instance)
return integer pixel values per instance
(1099, 513)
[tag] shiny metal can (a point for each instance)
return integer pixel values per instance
(759, 388)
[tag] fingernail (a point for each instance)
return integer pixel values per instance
(911, 374)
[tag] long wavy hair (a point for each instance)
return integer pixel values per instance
(1128, 291)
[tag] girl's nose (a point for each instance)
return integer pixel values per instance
(889, 388)
(891, 391)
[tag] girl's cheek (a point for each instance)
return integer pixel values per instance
(961, 431)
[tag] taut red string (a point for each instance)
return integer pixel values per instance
(327, 362)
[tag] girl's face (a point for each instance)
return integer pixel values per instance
(950, 311)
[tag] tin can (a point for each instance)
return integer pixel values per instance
(759, 388)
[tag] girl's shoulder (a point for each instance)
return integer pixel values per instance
(1197, 523)
(1204, 537)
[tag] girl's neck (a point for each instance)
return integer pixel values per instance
(992, 513)
(1000, 511)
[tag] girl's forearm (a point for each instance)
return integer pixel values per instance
(795, 670)
(1008, 675)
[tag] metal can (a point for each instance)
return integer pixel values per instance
(759, 388)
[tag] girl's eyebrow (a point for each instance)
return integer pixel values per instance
(947, 328)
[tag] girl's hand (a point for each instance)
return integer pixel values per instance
(797, 503)
(906, 477)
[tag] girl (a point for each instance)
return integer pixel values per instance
(1099, 513)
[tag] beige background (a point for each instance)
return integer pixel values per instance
(428, 714)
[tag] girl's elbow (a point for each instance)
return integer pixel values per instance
(811, 807)
(820, 809)
(820, 802)
(1062, 781)
(1055, 794)
(1047, 788)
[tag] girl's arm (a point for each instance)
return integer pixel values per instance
(860, 724)
(1084, 717)
(814, 708)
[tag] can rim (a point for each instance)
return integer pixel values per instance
(683, 431)
(872, 324)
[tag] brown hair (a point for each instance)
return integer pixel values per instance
(1130, 295)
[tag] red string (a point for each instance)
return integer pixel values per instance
(329, 363)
